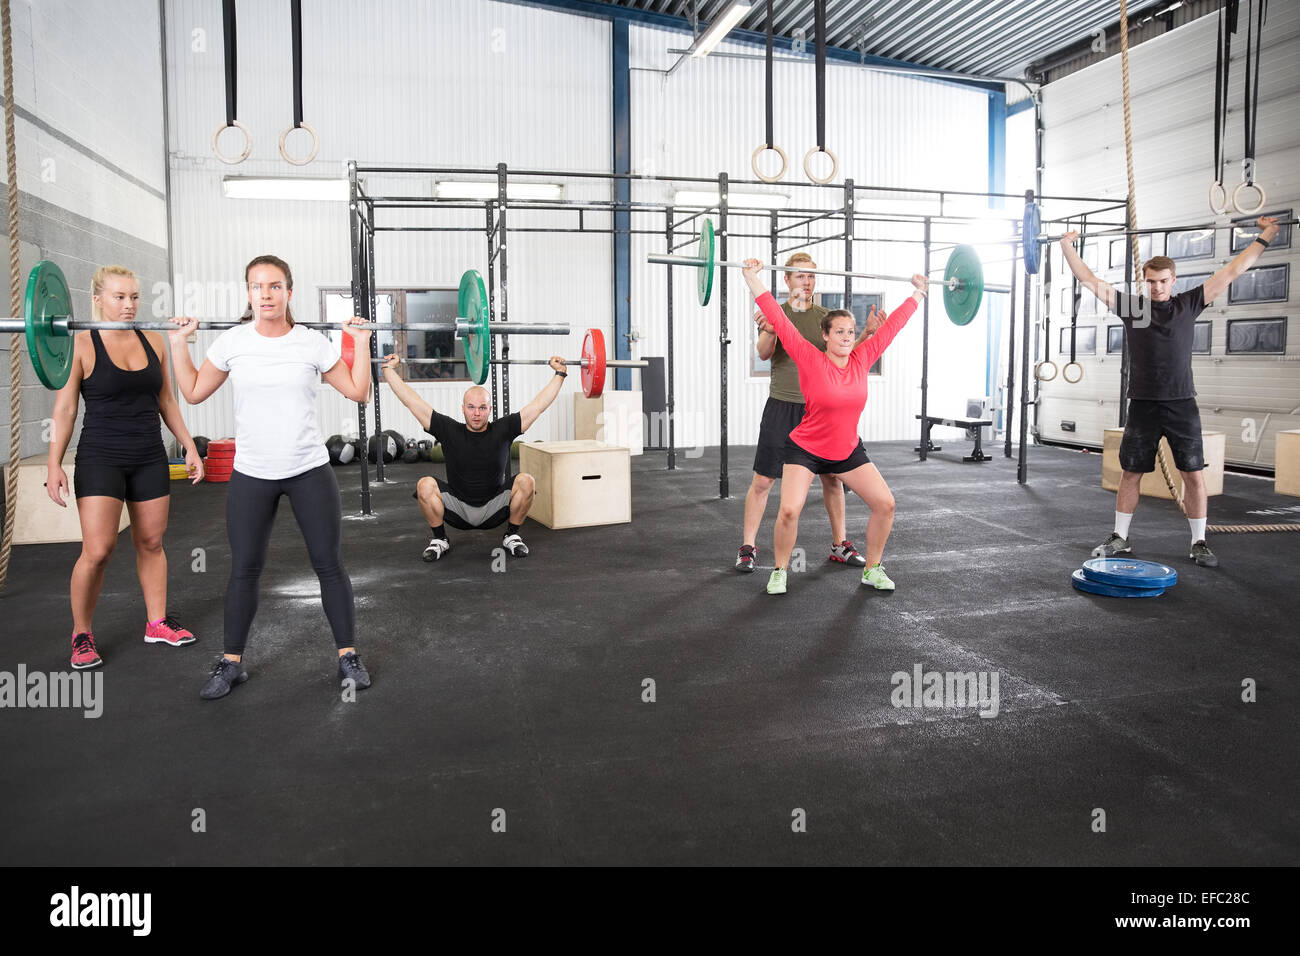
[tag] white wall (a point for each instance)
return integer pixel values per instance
(1172, 82)
(91, 169)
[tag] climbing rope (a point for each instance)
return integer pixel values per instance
(15, 302)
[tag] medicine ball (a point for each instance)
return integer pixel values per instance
(410, 454)
(201, 444)
(388, 444)
(335, 447)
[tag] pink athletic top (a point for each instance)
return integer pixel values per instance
(835, 396)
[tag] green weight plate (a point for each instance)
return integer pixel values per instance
(962, 303)
(50, 346)
(473, 305)
(705, 271)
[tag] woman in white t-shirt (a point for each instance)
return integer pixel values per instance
(275, 368)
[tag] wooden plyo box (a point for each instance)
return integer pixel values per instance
(579, 483)
(39, 520)
(1286, 463)
(1153, 483)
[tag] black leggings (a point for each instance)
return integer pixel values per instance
(251, 504)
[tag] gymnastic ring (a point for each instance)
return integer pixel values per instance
(1219, 206)
(835, 165)
(1038, 370)
(1065, 373)
(1263, 198)
(315, 145)
(248, 142)
(753, 161)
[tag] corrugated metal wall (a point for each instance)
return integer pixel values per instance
(472, 84)
(886, 130)
(453, 83)
(1172, 78)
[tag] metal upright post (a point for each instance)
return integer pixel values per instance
(925, 353)
(724, 479)
(358, 294)
(489, 208)
(1008, 402)
(502, 316)
(672, 411)
(848, 243)
(371, 315)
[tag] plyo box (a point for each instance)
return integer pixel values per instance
(1153, 483)
(579, 483)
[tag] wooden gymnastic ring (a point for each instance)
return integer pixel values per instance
(315, 145)
(1219, 207)
(1263, 197)
(1065, 373)
(248, 143)
(753, 162)
(835, 165)
(1038, 370)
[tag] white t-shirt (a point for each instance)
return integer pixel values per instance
(275, 382)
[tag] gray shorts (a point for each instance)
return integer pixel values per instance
(467, 517)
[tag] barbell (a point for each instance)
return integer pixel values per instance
(593, 363)
(48, 323)
(963, 275)
(1031, 225)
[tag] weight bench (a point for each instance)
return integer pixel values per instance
(972, 426)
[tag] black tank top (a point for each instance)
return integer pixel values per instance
(120, 426)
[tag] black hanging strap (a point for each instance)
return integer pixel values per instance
(1075, 292)
(768, 142)
(1222, 67)
(295, 16)
(1255, 17)
(232, 69)
(819, 26)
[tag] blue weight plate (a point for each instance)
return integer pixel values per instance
(1130, 573)
(1111, 590)
(1030, 225)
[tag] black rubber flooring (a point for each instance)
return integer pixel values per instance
(514, 699)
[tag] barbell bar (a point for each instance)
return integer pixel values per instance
(48, 323)
(593, 363)
(963, 280)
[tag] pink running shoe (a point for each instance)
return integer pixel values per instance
(167, 631)
(84, 655)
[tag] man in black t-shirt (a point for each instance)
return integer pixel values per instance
(479, 491)
(1158, 331)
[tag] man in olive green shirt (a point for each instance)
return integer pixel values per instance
(783, 411)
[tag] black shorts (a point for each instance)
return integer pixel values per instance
(794, 455)
(779, 419)
(123, 482)
(1148, 421)
(466, 517)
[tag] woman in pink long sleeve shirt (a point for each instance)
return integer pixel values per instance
(834, 384)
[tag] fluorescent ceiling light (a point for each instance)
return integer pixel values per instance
(694, 197)
(285, 187)
(719, 28)
(480, 189)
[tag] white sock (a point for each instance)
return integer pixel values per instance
(1121, 524)
(1198, 529)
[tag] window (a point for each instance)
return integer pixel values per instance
(1114, 339)
(1117, 247)
(1183, 283)
(1244, 231)
(1267, 336)
(1201, 339)
(1089, 304)
(1192, 244)
(1261, 284)
(400, 307)
(1085, 340)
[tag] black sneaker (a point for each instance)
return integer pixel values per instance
(515, 546)
(745, 558)
(351, 669)
(225, 675)
(1112, 546)
(1203, 556)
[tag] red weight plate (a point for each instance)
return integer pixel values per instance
(221, 444)
(593, 363)
(216, 479)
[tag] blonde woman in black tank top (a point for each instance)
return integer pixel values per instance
(124, 379)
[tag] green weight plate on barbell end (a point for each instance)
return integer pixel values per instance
(1030, 226)
(705, 270)
(963, 303)
(473, 305)
(50, 348)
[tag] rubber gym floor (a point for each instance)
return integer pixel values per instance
(517, 697)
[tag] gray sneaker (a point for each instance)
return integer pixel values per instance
(351, 669)
(1203, 556)
(1112, 546)
(225, 675)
